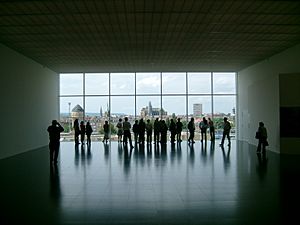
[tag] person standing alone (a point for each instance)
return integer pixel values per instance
(262, 136)
(127, 134)
(226, 132)
(54, 131)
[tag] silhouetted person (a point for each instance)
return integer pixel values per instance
(54, 131)
(164, 131)
(191, 128)
(142, 128)
(149, 131)
(156, 127)
(82, 132)
(76, 131)
(127, 134)
(226, 131)
(120, 130)
(106, 131)
(179, 130)
(262, 136)
(203, 125)
(172, 129)
(211, 129)
(88, 131)
(135, 129)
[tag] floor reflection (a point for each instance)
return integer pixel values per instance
(109, 183)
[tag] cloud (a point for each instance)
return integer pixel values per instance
(148, 82)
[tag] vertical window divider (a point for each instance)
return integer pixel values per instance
(161, 95)
(212, 94)
(187, 99)
(83, 84)
(109, 98)
(135, 96)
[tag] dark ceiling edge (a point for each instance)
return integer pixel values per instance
(165, 71)
(25, 55)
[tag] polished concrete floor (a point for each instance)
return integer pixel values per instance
(180, 184)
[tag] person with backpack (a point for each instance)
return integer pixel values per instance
(203, 125)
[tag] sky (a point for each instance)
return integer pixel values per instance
(149, 86)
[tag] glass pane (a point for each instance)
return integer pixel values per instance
(122, 83)
(147, 107)
(96, 83)
(199, 83)
(173, 83)
(199, 106)
(148, 83)
(174, 106)
(224, 106)
(224, 83)
(96, 113)
(71, 108)
(71, 84)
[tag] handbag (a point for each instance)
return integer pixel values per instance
(257, 135)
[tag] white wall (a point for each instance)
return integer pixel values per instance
(258, 95)
(29, 101)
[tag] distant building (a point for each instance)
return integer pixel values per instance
(149, 111)
(101, 113)
(77, 113)
(197, 110)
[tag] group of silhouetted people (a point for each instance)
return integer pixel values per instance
(159, 129)
(203, 126)
(140, 128)
(82, 130)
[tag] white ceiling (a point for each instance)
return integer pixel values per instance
(149, 35)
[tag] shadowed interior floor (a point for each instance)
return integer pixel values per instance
(180, 184)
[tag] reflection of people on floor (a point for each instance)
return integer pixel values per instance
(55, 191)
(106, 151)
(226, 157)
(262, 165)
(192, 154)
(76, 159)
(127, 159)
(212, 148)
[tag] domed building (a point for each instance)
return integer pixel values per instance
(77, 113)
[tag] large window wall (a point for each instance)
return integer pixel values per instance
(97, 97)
